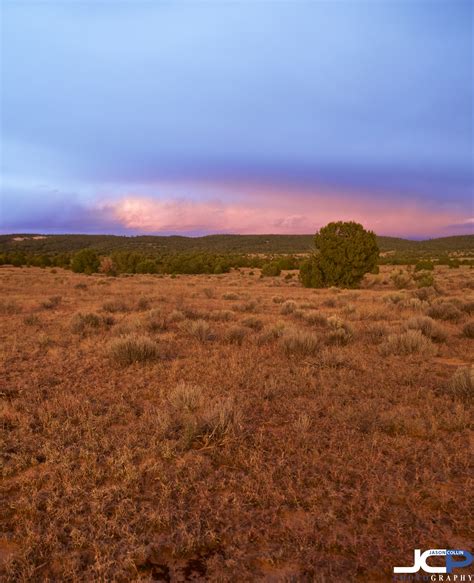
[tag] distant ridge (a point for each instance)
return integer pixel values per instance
(37, 243)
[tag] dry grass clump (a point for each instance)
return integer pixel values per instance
(220, 420)
(349, 310)
(393, 298)
(278, 299)
(114, 306)
(51, 303)
(250, 306)
(143, 304)
(300, 342)
(330, 302)
(222, 315)
(131, 349)
(191, 313)
(253, 323)
(303, 423)
(376, 333)
(31, 320)
(335, 358)
(428, 327)
(340, 332)
(271, 334)
(468, 330)
(235, 335)
(83, 323)
(198, 420)
(407, 343)
(200, 330)
(156, 321)
(288, 307)
(186, 397)
(129, 327)
(401, 422)
(209, 292)
(425, 294)
(315, 318)
(444, 310)
(9, 307)
(401, 279)
(414, 304)
(461, 385)
(467, 307)
(298, 313)
(230, 296)
(307, 305)
(176, 316)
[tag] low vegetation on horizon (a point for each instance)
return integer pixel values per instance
(285, 244)
(214, 254)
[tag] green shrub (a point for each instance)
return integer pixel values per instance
(424, 279)
(85, 261)
(424, 265)
(271, 269)
(345, 252)
(147, 266)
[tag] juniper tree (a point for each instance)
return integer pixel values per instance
(344, 253)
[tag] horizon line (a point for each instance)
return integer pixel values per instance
(23, 234)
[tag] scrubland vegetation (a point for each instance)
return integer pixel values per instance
(217, 254)
(231, 427)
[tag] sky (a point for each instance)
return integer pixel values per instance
(236, 116)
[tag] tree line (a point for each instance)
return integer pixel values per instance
(129, 262)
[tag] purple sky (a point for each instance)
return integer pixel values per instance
(247, 116)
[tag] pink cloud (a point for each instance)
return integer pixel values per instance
(258, 209)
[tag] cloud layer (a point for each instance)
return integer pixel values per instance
(245, 117)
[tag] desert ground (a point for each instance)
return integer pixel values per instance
(231, 427)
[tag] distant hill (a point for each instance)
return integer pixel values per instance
(52, 244)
